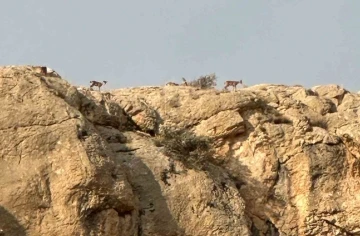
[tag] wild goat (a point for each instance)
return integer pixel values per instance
(232, 83)
(176, 84)
(46, 71)
(172, 84)
(97, 84)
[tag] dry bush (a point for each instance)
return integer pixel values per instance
(182, 145)
(204, 81)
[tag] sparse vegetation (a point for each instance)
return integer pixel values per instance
(182, 145)
(204, 81)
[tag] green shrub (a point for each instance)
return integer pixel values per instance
(182, 145)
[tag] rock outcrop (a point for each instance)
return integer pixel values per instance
(78, 162)
(58, 175)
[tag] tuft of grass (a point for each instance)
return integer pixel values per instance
(182, 145)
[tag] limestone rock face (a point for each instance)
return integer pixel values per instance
(81, 162)
(216, 126)
(292, 152)
(180, 201)
(57, 174)
(69, 167)
(331, 91)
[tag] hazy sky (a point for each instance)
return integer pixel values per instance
(143, 42)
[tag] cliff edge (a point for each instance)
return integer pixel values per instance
(263, 160)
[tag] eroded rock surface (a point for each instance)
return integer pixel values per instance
(292, 151)
(81, 162)
(57, 174)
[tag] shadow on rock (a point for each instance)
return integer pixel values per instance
(155, 216)
(9, 225)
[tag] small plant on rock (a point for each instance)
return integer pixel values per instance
(204, 81)
(182, 145)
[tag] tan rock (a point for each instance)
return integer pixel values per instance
(181, 201)
(331, 91)
(72, 162)
(223, 124)
(57, 174)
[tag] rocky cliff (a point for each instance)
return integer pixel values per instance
(283, 161)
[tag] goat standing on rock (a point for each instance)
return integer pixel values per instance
(97, 84)
(172, 84)
(232, 83)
